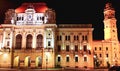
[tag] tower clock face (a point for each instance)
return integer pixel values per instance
(29, 17)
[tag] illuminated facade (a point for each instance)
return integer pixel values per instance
(30, 38)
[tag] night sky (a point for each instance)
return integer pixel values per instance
(72, 12)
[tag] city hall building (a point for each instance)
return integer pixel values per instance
(30, 38)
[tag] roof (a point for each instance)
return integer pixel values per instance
(39, 7)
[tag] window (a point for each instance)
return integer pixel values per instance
(65, 37)
(59, 48)
(67, 48)
(100, 55)
(68, 37)
(8, 43)
(99, 48)
(49, 43)
(29, 42)
(60, 37)
(59, 59)
(76, 59)
(39, 44)
(85, 59)
(106, 55)
(86, 37)
(18, 42)
(85, 47)
(76, 48)
(74, 37)
(95, 48)
(106, 48)
(82, 37)
(77, 38)
(67, 59)
(57, 37)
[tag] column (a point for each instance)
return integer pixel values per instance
(34, 40)
(24, 40)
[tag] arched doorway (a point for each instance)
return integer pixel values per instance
(16, 61)
(27, 61)
(38, 61)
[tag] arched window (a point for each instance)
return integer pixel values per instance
(39, 41)
(18, 41)
(29, 42)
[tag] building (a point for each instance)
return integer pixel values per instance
(30, 38)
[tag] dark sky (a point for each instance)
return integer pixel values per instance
(72, 11)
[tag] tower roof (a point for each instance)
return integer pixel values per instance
(108, 6)
(39, 7)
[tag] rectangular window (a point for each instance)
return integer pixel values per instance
(100, 55)
(85, 59)
(82, 37)
(77, 38)
(60, 37)
(59, 59)
(68, 37)
(76, 59)
(49, 43)
(86, 37)
(67, 59)
(106, 48)
(76, 48)
(106, 55)
(8, 43)
(65, 37)
(85, 47)
(67, 48)
(59, 48)
(95, 48)
(57, 37)
(74, 37)
(99, 48)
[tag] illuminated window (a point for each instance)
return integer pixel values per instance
(29, 42)
(67, 48)
(76, 59)
(18, 44)
(39, 44)
(67, 59)
(59, 59)
(85, 59)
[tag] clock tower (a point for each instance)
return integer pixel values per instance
(110, 29)
(110, 33)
